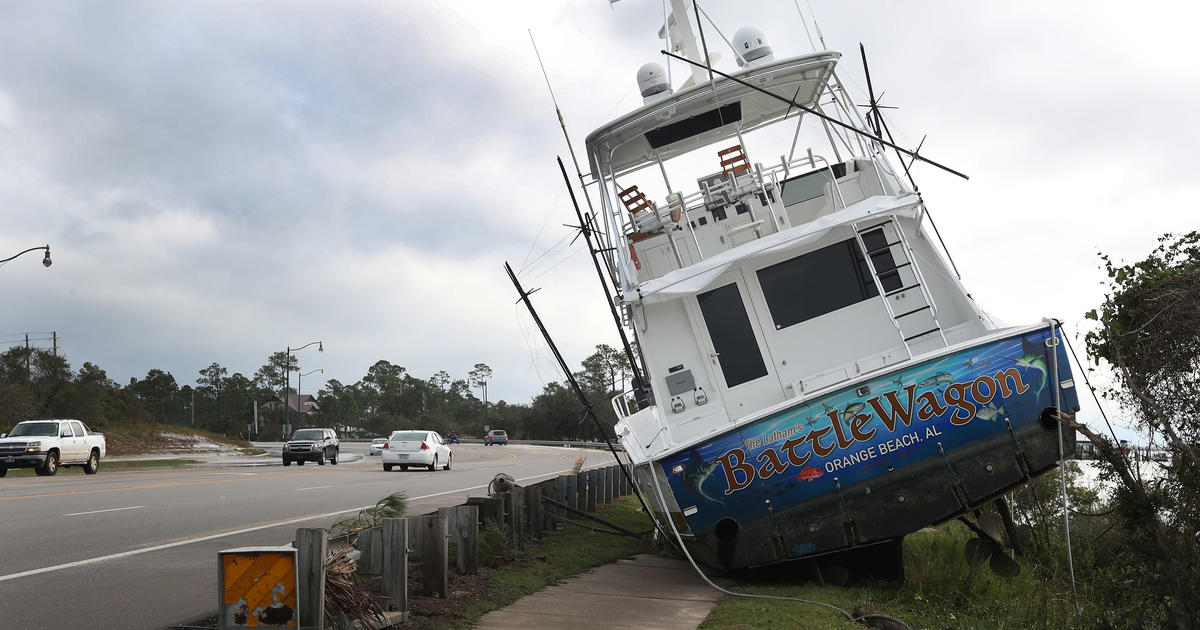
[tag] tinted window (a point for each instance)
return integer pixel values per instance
(35, 429)
(308, 434)
(712, 119)
(816, 283)
(809, 185)
(78, 426)
(733, 338)
(409, 436)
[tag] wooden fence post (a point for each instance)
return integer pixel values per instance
(434, 558)
(610, 475)
(549, 489)
(490, 509)
(602, 492)
(462, 523)
(515, 501)
(582, 486)
(394, 539)
(370, 543)
(571, 487)
(592, 475)
(533, 511)
(311, 544)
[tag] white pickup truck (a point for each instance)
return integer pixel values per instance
(45, 445)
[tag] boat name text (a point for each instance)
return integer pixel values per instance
(962, 400)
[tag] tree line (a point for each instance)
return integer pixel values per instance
(38, 383)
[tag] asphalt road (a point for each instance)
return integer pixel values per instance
(128, 550)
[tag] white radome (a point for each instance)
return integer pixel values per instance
(752, 47)
(652, 82)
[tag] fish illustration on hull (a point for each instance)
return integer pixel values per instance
(990, 412)
(852, 410)
(1031, 362)
(697, 474)
(941, 378)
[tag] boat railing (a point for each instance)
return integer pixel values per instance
(757, 180)
(624, 404)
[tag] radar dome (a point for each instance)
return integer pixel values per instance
(752, 47)
(652, 82)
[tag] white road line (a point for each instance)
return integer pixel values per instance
(181, 543)
(237, 474)
(132, 507)
(312, 488)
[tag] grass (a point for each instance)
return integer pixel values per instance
(940, 591)
(559, 555)
(138, 464)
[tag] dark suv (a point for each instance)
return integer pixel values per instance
(311, 445)
(495, 436)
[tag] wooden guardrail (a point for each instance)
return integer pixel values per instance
(385, 550)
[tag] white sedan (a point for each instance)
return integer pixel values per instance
(416, 448)
(377, 446)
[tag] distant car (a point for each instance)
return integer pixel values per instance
(452, 438)
(495, 436)
(377, 446)
(416, 448)
(311, 445)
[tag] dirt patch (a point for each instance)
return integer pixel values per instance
(124, 442)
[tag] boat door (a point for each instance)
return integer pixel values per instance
(728, 332)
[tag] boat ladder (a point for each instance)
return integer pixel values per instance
(899, 281)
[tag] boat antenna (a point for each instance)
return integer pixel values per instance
(562, 123)
(817, 25)
(804, 22)
(881, 124)
(822, 116)
(587, 405)
(586, 230)
(736, 52)
(874, 116)
(707, 60)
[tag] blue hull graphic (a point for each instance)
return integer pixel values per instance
(868, 436)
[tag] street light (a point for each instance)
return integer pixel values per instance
(46, 262)
(287, 374)
(298, 392)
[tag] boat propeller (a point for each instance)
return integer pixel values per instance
(988, 545)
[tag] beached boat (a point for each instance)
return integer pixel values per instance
(814, 377)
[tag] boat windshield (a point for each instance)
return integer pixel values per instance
(36, 429)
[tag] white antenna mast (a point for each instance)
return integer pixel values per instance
(805, 23)
(817, 25)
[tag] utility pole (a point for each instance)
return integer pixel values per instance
(54, 336)
(28, 371)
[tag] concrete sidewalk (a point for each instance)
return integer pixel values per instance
(645, 592)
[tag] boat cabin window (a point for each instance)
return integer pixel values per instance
(732, 337)
(809, 185)
(816, 283)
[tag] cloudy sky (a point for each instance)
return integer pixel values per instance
(218, 180)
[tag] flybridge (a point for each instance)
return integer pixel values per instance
(703, 114)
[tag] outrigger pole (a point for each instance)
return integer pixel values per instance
(818, 114)
(881, 124)
(585, 228)
(562, 123)
(587, 405)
